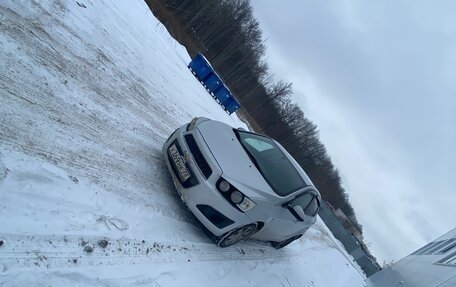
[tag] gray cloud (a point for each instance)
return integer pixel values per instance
(377, 78)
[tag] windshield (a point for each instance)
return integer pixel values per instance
(272, 163)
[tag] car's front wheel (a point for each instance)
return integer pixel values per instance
(236, 235)
(282, 244)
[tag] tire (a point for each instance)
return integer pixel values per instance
(236, 235)
(282, 244)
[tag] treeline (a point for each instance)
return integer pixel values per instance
(228, 34)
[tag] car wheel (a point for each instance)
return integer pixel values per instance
(282, 244)
(236, 235)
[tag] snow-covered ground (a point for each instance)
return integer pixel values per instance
(89, 91)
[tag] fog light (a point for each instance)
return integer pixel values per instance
(224, 185)
(236, 197)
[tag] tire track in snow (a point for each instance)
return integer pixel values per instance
(151, 174)
(19, 251)
(93, 117)
(68, 118)
(111, 135)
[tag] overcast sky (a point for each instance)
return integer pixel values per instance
(379, 80)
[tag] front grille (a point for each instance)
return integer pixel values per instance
(191, 181)
(198, 156)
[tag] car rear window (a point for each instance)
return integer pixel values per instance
(272, 163)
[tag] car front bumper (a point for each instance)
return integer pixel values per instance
(203, 199)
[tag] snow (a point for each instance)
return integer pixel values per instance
(87, 98)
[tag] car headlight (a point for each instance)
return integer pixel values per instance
(191, 125)
(246, 204)
(234, 196)
(241, 201)
(224, 186)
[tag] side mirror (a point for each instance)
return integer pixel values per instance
(299, 211)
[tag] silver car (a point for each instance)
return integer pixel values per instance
(240, 184)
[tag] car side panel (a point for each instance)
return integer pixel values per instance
(281, 225)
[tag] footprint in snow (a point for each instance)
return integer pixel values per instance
(81, 5)
(3, 170)
(113, 222)
(73, 178)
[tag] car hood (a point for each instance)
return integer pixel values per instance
(236, 166)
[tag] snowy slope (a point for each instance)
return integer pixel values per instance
(89, 91)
